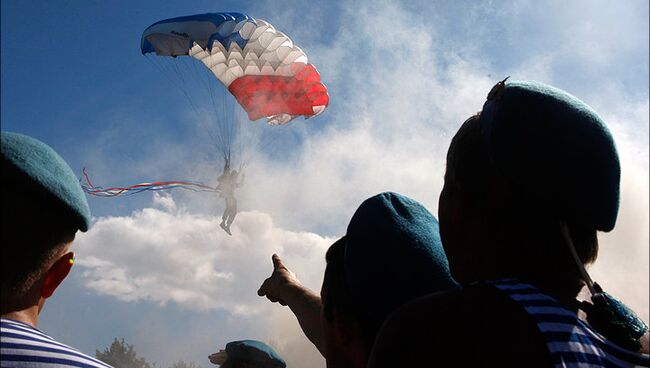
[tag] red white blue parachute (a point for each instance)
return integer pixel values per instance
(264, 70)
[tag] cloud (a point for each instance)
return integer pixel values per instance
(166, 254)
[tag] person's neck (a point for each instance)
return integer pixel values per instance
(559, 281)
(28, 315)
(565, 296)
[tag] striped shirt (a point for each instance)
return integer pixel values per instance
(570, 341)
(23, 346)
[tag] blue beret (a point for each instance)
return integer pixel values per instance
(36, 166)
(255, 354)
(393, 254)
(555, 149)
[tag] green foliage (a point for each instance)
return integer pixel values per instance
(182, 364)
(122, 355)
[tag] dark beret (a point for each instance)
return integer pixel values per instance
(393, 254)
(253, 353)
(555, 149)
(38, 169)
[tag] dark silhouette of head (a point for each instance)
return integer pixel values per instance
(533, 159)
(387, 232)
(43, 206)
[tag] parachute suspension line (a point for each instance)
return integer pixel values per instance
(222, 109)
(224, 126)
(220, 128)
(221, 140)
(231, 123)
(243, 126)
(178, 78)
(167, 72)
(174, 75)
(265, 142)
(222, 114)
(254, 132)
(184, 86)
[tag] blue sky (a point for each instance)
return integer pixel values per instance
(402, 76)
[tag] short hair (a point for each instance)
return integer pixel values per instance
(468, 175)
(34, 231)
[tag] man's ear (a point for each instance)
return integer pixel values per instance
(56, 274)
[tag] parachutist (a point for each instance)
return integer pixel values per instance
(228, 182)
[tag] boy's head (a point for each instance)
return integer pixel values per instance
(43, 206)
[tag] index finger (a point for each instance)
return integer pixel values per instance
(277, 262)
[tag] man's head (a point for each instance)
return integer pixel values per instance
(43, 206)
(390, 255)
(534, 158)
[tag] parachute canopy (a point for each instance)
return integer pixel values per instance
(266, 72)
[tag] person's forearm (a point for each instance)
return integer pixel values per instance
(306, 306)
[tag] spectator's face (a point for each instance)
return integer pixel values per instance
(451, 230)
(334, 345)
(343, 345)
(463, 231)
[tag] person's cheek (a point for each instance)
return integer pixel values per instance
(446, 219)
(451, 230)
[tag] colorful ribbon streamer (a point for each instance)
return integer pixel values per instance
(98, 191)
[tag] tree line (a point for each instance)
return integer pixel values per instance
(123, 355)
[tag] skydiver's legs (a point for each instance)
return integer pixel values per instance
(232, 213)
(224, 217)
(229, 214)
